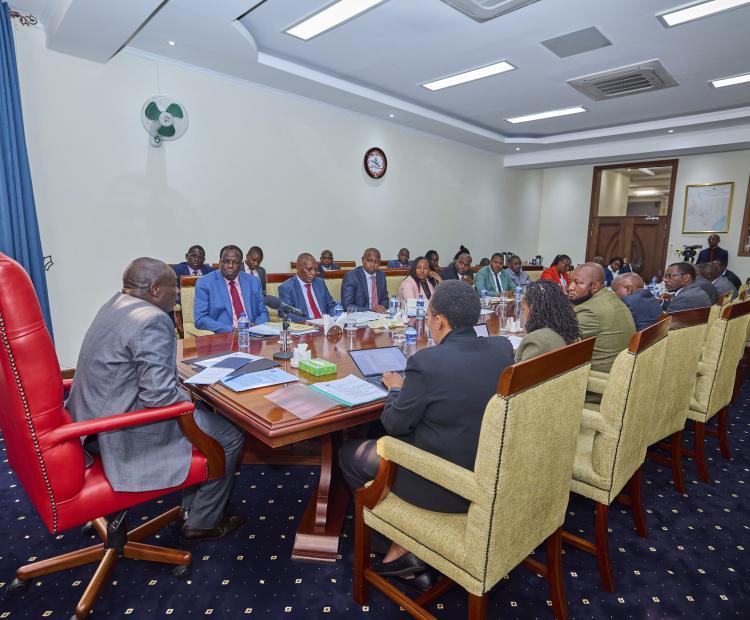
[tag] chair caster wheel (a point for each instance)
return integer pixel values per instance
(181, 571)
(88, 530)
(16, 587)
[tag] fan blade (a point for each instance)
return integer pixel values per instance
(152, 112)
(166, 132)
(175, 110)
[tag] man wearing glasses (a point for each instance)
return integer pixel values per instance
(223, 295)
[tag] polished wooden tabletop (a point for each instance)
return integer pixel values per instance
(268, 422)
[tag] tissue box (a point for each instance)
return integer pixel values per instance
(317, 367)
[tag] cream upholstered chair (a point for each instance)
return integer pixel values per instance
(333, 281)
(518, 489)
(394, 278)
(684, 344)
(187, 315)
(722, 350)
(612, 441)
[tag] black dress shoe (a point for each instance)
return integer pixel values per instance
(405, 566)
(422, 582)
(226, 526)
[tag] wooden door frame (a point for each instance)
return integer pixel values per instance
(596, 185)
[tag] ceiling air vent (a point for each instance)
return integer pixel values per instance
(484, 10)
(643, 77)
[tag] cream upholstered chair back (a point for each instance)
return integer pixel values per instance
(187, 301)
(333, 280)
(684, 344)
(722, 350)
(627, 407)
(393, 279)
(525, 460)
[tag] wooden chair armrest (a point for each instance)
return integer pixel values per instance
(178, 320)
(448, 475)
(371, 495)
(207, 445)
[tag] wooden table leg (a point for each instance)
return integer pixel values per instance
(318, 533)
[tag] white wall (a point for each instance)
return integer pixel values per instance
(255, 167)
(566, 199)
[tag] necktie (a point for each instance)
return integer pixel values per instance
(236, 301)
(373, 293)
(195, 272)
(313, 305)
(499, 286)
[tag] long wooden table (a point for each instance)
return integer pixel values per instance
(319, 529)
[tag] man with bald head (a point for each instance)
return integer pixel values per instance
(127, 363)
(711, 272)
(307, 291)
(600, 313)
(365, 287)
(644, 307)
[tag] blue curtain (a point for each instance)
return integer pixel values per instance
(19, 229)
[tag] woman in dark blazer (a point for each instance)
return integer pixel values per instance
(550, 320)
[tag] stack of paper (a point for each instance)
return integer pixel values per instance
(350, 391)
(274, 329)
(253, 380)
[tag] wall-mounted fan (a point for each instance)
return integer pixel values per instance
(164, 119)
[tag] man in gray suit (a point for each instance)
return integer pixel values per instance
(128, 362)
(679, 279)
(712, 273)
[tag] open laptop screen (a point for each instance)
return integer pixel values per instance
(377, 361)
(482, 330)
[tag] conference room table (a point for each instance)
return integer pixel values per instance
(275, 428)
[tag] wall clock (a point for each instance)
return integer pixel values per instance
(375, 162)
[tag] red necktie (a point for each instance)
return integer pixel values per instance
(373, 293)
(236, 301)
(313, 305)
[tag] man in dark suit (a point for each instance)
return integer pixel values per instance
(222, 296)
(459, 269)
(326, 262)
(705, 283)
(713, 252)
(729, 275)
(437, 407)
(711, 272)
(306, 292)
(365, 287)
(253, 260)
(194, 264)
(402, 262)
(644, 307)
(679, 279)
(127, 363)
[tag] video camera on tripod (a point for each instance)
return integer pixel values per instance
(688, 252)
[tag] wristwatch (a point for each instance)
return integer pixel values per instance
(394, 390)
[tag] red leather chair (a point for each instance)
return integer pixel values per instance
(44, 448)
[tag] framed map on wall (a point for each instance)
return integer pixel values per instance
(707, 208)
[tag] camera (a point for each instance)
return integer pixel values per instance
(688, 252)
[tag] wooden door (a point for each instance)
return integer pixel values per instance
(632, 236)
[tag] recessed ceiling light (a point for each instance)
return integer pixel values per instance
(697, 10)
(518, 148)
(392, 115)
(647, 171)
(171, 43)
(730, 81)
(470, 76)
(551, 114)
(670, 131)
(333, 15)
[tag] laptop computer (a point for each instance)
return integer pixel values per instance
(372, 363)
(482, 330)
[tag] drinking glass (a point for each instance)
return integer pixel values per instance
(351, 318)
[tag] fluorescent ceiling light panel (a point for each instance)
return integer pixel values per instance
(647, 171)
(730, 81)
(470, 76)
(690, 12)
(332, 16)
(542, 115)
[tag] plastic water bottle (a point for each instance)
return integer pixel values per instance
(338, 310)
(393, 307)
(243, 332)
(420, 307)
(519, 294)
(483, 298)
(410, 341)
(654, 287)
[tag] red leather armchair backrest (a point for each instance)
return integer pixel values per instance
(31, 398)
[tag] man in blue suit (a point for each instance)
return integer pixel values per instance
(365, 287)
(307, 292)
(644, 307)
(194, 264)
(221, 296)
(402, 262)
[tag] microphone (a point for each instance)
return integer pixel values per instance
(276, 304)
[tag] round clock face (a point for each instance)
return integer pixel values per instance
(375, 163)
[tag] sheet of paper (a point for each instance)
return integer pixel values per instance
(350, 391)
(208, 376)
(266, 329)
(301, 401)
(515, 341)
(253, 380)
(220, 358)
(487, 311)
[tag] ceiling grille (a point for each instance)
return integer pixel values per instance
(643, 77)
(484, 10)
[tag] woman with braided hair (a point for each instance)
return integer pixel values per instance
(551, 322)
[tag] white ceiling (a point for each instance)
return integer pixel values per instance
(374, 64)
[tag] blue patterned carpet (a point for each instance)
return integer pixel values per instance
(694, 564)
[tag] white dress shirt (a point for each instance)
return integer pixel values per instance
(310, 312)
